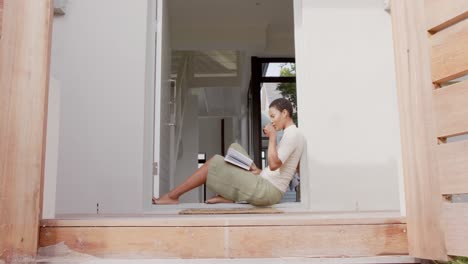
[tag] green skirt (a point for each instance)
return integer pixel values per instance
(236, 184)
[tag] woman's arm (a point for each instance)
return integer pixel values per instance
(255, 170)
(273, 161)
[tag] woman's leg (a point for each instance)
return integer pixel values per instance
(218, 199)
(196, 179)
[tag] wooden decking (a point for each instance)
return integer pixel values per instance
(228, 236)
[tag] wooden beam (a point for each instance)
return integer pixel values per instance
(24, 71)
(414, 89)
(230, 241)
(449, 53)
(456, 226)
(317, 241)
(450, 109)
(286, 219)
(453, 167)
(1, 16)
(141, 242)
(441, 14)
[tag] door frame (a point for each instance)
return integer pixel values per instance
(257, 78)
(25, 47)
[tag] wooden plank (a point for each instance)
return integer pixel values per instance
(450, 53)
(1, 16)
(453, 167)
(139, 242)
(313, 241)
(229, 242)
(414, 90)
(450, 109)
(287, 219)
(24, 71)
(456, 228)
(73, 259)
(305, 260)
(440, 14)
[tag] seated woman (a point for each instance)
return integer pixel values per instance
(257, 187)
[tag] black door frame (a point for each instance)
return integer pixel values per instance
(258, 71)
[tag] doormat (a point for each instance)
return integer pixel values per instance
(216, 211)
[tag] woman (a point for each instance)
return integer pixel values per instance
(257, 187)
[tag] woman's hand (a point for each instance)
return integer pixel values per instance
(269, 130)
(254, 169)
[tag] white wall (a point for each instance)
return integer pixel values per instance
(228, 133)
(52, 148)
(209, 136)
(98, 55)
(187, 162)
(347, 105)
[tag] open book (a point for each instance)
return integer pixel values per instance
(235, 157)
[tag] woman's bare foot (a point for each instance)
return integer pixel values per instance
(218, 199)
(165, 199)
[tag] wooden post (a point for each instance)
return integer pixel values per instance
(1, 16)
(414, 85)
(24, 77)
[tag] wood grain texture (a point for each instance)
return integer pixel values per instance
(449, 53)
(450, 109)
(230, 242)
(441, 13)
(318, 241)
(1, 16)
(139, 242)
(24, 71)
(456, 228)
(453, 167)
(414, 90)
(286, 219)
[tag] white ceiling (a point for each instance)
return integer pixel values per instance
(230, 12)
(213, 63)
(216, 31)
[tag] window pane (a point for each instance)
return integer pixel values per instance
(279, 69)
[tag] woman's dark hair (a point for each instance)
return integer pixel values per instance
(283, 104)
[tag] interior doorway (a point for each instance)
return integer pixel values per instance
(204, 64)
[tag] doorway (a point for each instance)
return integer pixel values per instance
(205, 51)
